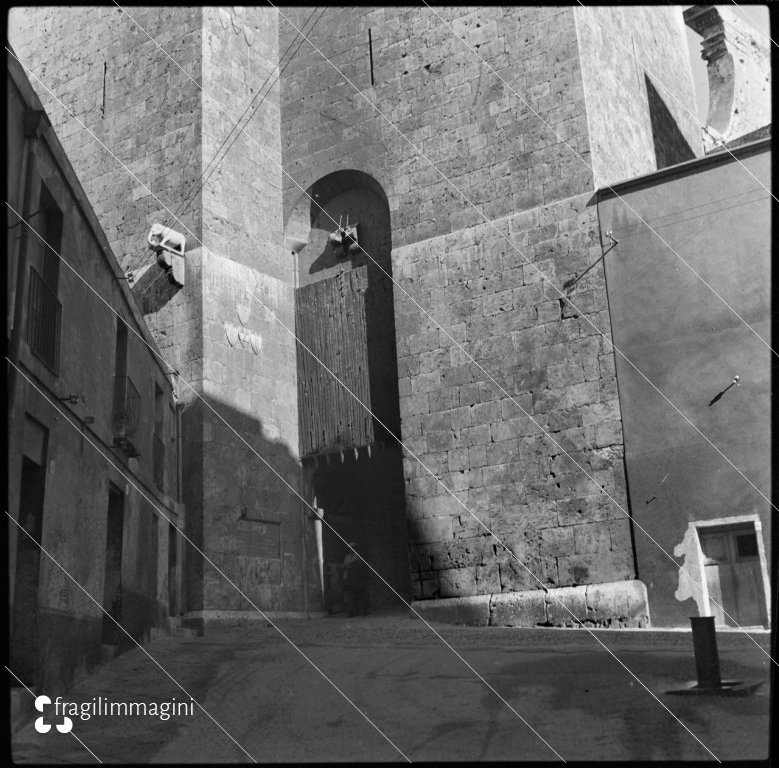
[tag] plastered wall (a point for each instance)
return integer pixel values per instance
(74, 406)
(689, 344)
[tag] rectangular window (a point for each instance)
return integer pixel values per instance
(44, 312)
(44, 316)
(127, 399)
(50, 229)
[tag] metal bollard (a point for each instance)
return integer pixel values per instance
(704, 639)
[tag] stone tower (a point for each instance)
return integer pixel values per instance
(612, 85)
(238, 361)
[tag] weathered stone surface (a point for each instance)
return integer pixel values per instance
(739, 72)
(617, 93)
(566, 606)
(473, 611)
(616, 605)
(620, 604)
(518, 609)
(532, 311)
(458, 582)
(589, 569)
(486, 438)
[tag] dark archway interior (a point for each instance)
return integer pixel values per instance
(363, 500)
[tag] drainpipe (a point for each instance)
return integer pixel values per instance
(35, 122)
(183, 602)
(319, 514)
(304, 555)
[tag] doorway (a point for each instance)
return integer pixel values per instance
(733, 572)
(173, 603)
(348, 391)
(24, 639)
(112, 585)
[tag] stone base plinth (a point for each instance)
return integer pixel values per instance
(202, 620)
(620, 604)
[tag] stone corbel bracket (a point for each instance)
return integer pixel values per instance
(739, 69)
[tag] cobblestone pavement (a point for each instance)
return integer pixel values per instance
(423, 698)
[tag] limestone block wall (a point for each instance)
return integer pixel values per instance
(166, 130)
(126, 91)
(175, 315)
(157, 121)
(477, 441)
(445, 100)
(638, 87)
(252, 523)
(242, 197)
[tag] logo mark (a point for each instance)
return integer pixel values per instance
(64, 727)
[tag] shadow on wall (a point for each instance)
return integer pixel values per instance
(153, 290)
(246, 516)
(670, 145)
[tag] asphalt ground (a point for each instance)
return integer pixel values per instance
(425, 704)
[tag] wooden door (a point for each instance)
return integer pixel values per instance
(733, 576)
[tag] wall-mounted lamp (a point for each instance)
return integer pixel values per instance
(736, 380)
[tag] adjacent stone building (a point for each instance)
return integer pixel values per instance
(414, 197)
(92, 428)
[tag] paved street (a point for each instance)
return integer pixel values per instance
(426, 701)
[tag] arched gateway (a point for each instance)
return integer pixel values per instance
(349, 417)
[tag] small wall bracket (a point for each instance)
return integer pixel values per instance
(345, 239)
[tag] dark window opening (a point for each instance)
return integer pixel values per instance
(746, 545)
(127, 399)
(44, 311)
(44, 317)
(50, 229)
